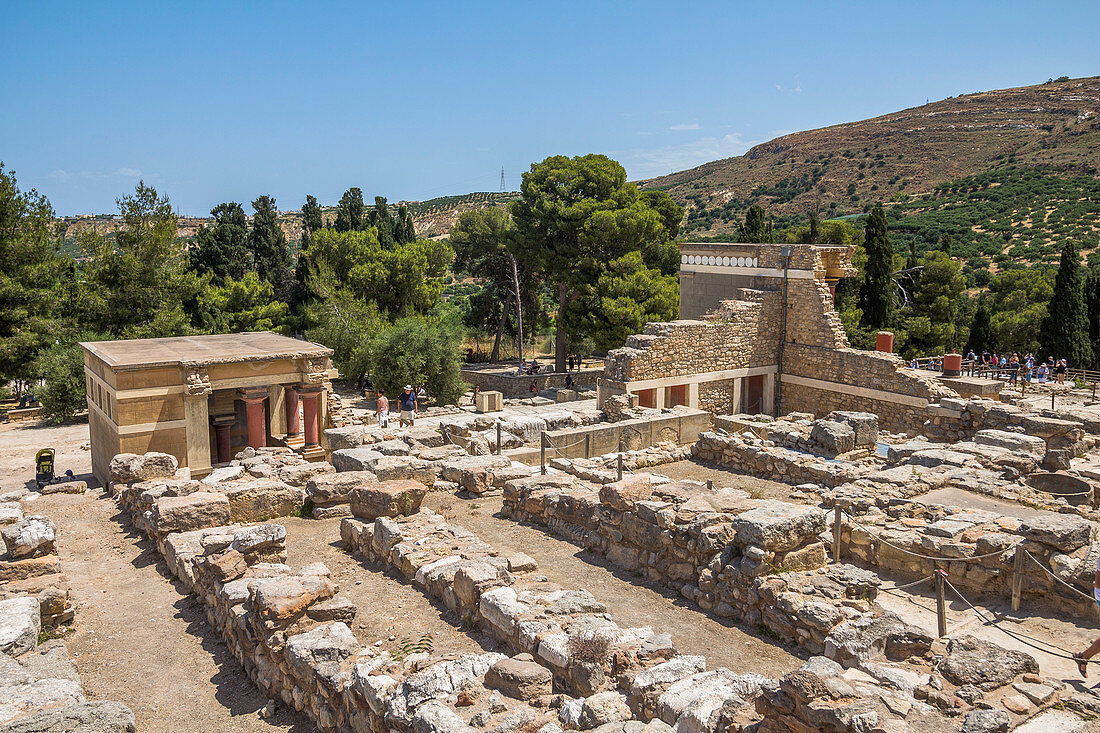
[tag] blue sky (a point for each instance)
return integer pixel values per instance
(227, 101)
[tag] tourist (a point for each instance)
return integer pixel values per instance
(569, 381)
(1060, 371)
(1082, 658)
(382, 410)
(1043, 373)
(406, 402)
(914, 364)
(26, 400)
(533, 388)
(569, 363)
(971, 359)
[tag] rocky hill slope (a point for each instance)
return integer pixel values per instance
(842, 169)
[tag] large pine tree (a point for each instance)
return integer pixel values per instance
(1065, 331)
(981, 334)
(876, 295)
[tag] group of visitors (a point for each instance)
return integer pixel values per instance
(1016, 368)
(406, 404)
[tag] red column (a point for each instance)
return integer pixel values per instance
(222, 428)
(257, 429)
(310, 397)
(293, 426)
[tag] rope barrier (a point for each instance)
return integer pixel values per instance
(876, 537)
(1065, 653)
(1051, 574)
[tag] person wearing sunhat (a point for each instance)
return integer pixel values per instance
(407, 402)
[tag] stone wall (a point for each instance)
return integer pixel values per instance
(756, 456)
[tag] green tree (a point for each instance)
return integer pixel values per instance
(419, 350)
(630, 294)
(137, 282)
(247, 304)
(401, 280)
(877, 291)
(756, 228)
(32, 277)
(1018, 307)
(932, 320)
(1092, 305)
(981, 330)
(350, 212)
(269, 248)
(222, 249)
(379, 218)
(337, 318)
(404, 231)
(574, 218)
(1065, 331)
(311, 220)
(61, 369)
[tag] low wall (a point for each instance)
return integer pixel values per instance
(823, 380)
(747, 453)
(680, 425)
(512, 385)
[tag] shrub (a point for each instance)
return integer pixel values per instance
(61, 367)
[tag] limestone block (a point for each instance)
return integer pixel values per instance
(390, 468)
(351, 436)
(122, 467)
(423, 435)
(778, 526)
(974, 661)
(355, 459)
(1061, 531)
(262, 499)
(400, 497)
(285, 598)
(566, 395)
(306, 653)
(299, 474)
(864, 424)
(392, 447)
(10, 511)
(100, 716)
(65, 487)
(29, 567)
(832, 438)
(154, 465)
(20, 622)
(335, 488)
(184, 513)
(32, 536)
(622, 495)
(261, 543)
(1014, 442)
(489, 401)
(522, 679)
(225, 473)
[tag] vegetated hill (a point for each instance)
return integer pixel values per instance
(844, 168)
(432, 218)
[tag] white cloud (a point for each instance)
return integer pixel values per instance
(129, 172)
(649, 162)
(796, 89)
(685, 126)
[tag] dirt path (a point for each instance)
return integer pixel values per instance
(724, 478)
(631, 600)
(139, 639)
(388, 606)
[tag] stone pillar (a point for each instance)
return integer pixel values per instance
(884, 342)
(223, 427)
(737, 386)
(254, 405)
(293, 420)
(659, 397)
(769, 407)
(693, 394)
(310, 397)
(196, 415)
(276, 410)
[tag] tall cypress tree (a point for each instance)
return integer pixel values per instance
(876, 295)
(1065, 331)
(1092, 304)
(350, 211)
(756, 228)
(381, 218)
(269, 248)
(223, 248)
(311, 220)
(981, 334)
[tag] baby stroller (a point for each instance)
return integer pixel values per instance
(43, 467)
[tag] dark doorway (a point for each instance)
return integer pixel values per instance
(754, 394)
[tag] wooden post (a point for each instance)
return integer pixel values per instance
(619, 467)
(1018, 577)
(941, 608)
(542, 452)
(836, 533)
(1052, 400)
(587, 445)
(498, 437)
(710, 484)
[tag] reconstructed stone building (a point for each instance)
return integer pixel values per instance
(759, 334)
(203, 398)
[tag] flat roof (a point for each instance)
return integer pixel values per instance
(222, 348)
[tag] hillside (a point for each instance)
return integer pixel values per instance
(842, 169)
(432, 218)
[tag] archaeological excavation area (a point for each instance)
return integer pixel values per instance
(742, 525)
